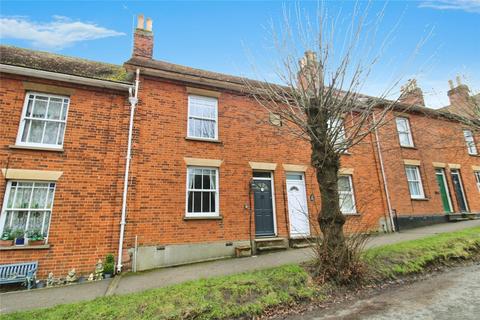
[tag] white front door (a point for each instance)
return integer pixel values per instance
(297, 205)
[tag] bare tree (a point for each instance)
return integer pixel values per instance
(320, 101)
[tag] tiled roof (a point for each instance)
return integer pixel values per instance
(184, 70)
(46, 61)
(104, 71)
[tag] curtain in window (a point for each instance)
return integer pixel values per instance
(413, 181)
(202, 190)
(202, 117)
(29, 206)
(44, 120)
(345, 193)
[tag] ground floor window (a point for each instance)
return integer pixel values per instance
(477, 177)
(202, 191)
(27, 207)
(346, 196)
(414, 182)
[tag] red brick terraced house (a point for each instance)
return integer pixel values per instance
(208, 170)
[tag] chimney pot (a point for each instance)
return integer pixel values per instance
(450, 83)
(459, 80)
(140, 22)
(149, 24)
(411, 93)
(143, 39)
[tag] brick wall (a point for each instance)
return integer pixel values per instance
(87, 207)
(435, 140)
(87, 204)
(157, 205)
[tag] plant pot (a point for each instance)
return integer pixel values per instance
(40, 285)
(36, 242)
(19, 241)
(6, 243)
(107, 275)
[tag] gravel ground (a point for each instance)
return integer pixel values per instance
(454, 294)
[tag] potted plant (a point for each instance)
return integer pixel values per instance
(35, 238)
(109, 267)
(7, 238)
(19, 236)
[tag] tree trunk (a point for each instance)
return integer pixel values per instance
(330, 218)
(333, 252)
(334, 262)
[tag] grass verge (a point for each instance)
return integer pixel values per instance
(217, 298)
(248, 294)
(415, 256)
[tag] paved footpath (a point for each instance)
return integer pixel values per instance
(41, 298)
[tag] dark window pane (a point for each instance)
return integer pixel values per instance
(190, 201)
(197, 201)
(29, 106)
(206, 202)
(260, 174)
(206, 181)
(198, 181)
(212, 201)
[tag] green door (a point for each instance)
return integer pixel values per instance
(440, 173)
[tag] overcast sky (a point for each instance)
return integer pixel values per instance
(227, 36)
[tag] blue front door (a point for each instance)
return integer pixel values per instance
(263, 205)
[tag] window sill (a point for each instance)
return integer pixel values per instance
(203, 140)
(27, 247)
(186, 218)
(356, 214)
(16, 146)
(474, 155)
(409, 147)
(419, 199)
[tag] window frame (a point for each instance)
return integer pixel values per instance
(190, 96)
(420, 183)
(351, 192)
(341, 138)
(476, 173)
(3, 211)
(471, 145)
(217, 194)
(408, 132)
(24, 118)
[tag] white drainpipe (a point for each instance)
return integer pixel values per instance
(133, 99)
(384, 177)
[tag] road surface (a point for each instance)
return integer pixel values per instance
(454, 294)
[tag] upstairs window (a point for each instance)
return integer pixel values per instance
(345, 194)
(337, 131)
(43, 120)
(202, 191)
(469, 140)
(28, 206)
(202, 117)
(404, 132)
(414, 182)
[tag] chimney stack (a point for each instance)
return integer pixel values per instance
(411, 94)
(460, 101)
(143, 39)
(309, 74)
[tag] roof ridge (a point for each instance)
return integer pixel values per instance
(59, 55)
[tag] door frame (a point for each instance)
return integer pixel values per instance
(306, 204)
(275, 232)
(447, 189)
(460, 181)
